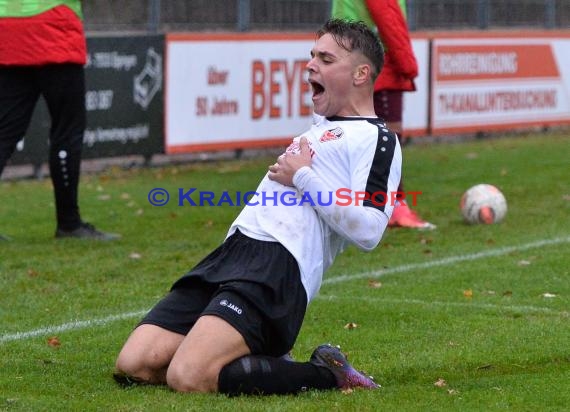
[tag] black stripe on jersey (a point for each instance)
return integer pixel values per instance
(380, 170)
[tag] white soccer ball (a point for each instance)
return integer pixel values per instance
(483, 203)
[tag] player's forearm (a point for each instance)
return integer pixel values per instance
(362, 226)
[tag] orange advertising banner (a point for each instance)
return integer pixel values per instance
(485, 84)
(473, 62)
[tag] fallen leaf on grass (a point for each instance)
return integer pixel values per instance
(53, 342)
(468, 293)
(374, 284)
(524, 262)
(440, 383)
(508, 293)
(347, 391)
(453, 391)
(135, 255)
(32, 273)
(425, 240)
(350, 325)
(484, 367)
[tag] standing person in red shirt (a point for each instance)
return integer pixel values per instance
(42, 52)
(397, 76)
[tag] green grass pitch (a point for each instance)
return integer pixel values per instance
(463, 318)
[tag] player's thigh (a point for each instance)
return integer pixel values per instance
(210, 345)
(148, 348)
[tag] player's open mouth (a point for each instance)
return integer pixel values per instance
(318, 89)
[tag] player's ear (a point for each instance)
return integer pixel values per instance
(362, 73)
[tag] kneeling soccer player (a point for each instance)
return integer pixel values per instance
(226, 325)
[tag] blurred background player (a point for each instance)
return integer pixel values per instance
(42, 52)
(397, 76)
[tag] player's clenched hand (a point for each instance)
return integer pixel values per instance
(288, 163)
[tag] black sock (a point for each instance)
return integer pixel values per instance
(265, 375)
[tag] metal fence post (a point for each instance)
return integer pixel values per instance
(411, 15)
(329, 8)
(243, 14)
(153, 15)
(483, 14)
(550, 14)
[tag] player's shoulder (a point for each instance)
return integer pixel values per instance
(385, 133)
(365, 127)
(354, 130)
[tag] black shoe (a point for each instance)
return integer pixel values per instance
(331, 358)
(86, 231)
(126, 381)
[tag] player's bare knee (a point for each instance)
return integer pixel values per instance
(128, 365)
(142, 365)
(185, 378)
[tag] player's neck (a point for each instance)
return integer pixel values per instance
(363, 108)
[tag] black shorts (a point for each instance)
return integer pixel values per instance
(253, 285)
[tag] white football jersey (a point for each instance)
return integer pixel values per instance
(327, 209)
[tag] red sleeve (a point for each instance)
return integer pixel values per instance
(393, 31)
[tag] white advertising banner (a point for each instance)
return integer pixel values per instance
(416, 104)
(236, 90)
(481, 84)
(226, 91)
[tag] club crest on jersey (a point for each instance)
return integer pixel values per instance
(332, 134)
(295, 147)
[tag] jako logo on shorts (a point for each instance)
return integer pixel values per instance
(231, 306)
